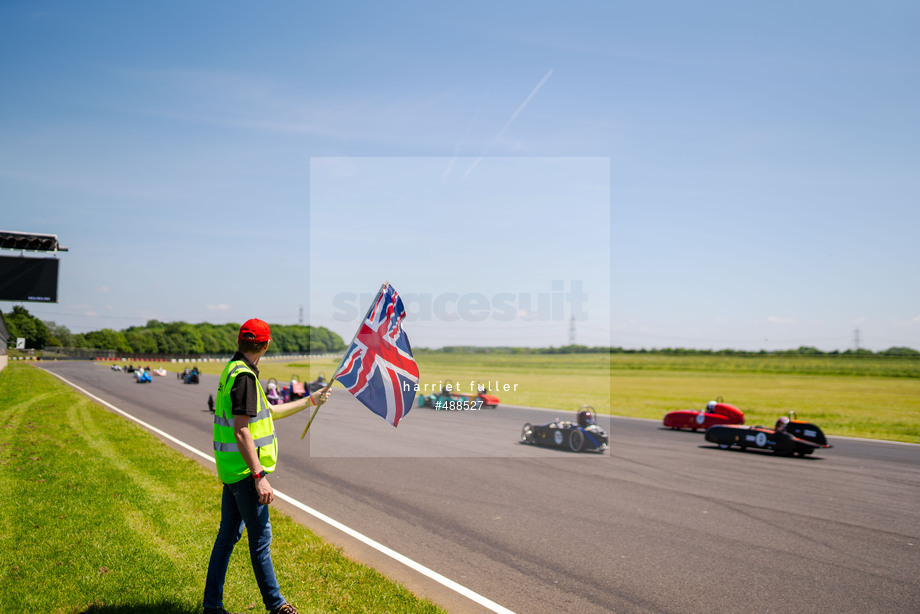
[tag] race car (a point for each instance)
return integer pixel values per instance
(447, 399)
(788, 437)
(716, 412)
(318, 384)
(583, 435)
(296, 390)
(142, 376)
(482, 397)
(191, 377)
(272, 393)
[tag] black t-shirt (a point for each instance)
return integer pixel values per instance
(244, 396)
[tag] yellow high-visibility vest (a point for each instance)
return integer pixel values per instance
(231, 467)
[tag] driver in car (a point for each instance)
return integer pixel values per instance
(785, 441)
(586, 419)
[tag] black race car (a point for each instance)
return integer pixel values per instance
(788, 437)
(581, 436)
(318, 384)
(190, 377)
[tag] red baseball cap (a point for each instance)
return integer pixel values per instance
(255, 330)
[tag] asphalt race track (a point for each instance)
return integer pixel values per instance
(664, 522)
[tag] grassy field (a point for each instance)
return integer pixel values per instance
(858, 396)
(882, 366)
(102, 517)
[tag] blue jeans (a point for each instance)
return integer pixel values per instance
(240, 507)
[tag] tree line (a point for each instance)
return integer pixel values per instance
(168, 338)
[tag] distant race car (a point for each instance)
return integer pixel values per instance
(272, 393)
(446, 399)
(296, 389)
(190, 376)
(483, 397)
(583, 435)
(716, 412)
(788, 437)
(318, 384)
(142, 376)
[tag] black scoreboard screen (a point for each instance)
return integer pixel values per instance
(28, 279)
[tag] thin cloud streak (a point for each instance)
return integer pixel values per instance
(508, 123)
(469, 128)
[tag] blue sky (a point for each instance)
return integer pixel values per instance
(761, 164)
(462, 282)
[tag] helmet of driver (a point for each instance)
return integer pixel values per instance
(782, 423)
(710, 406)
(585, 418)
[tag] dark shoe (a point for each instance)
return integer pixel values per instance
(287, 608)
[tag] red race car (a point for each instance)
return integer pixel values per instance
(716, 412)
(483, 396)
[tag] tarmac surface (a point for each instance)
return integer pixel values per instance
(662, 522)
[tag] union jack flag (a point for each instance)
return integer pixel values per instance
(378, 368)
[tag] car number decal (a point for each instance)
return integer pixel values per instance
(700, 418)
(557, 437)
(761, 440)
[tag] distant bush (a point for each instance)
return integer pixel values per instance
(899, 351)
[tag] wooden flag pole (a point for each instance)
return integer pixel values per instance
(321, 393)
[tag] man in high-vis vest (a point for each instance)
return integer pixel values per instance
(246, 450)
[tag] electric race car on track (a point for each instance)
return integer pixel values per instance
(788, 437)
(318, 384)
(295, 390)
(482, 397)
(446, 399)
(583, 435)
(716, 412)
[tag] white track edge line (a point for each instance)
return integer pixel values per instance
(425, 571)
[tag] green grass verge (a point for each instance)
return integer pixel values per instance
(102, 517)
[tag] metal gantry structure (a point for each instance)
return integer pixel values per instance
(30, 242)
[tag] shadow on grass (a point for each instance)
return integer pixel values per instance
(163, 607)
